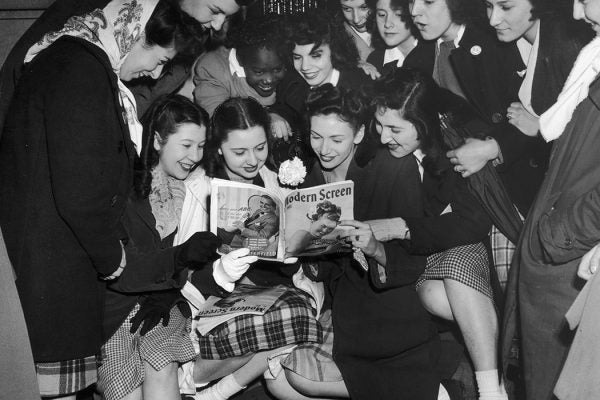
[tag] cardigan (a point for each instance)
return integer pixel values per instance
(65, 169)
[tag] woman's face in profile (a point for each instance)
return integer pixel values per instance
(511, 20)
(322, 226)
(145, 61)
(399, 135)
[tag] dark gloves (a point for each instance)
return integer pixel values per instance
(156, 307)
(197, 250)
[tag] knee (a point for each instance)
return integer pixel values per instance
(280, 388)
(433, 298)
(162, 376)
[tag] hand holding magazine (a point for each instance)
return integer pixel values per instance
(304, 223)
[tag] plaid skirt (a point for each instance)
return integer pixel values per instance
(467, 264)
(314, 361)
(289, 321)
(66, 377)
(122, 367)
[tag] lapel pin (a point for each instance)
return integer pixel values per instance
(476, 50)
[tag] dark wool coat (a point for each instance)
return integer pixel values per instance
(564, 223)
(385, 344)
(487, 72)
(151, 266)
(65, 171)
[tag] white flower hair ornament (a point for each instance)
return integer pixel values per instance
(292, 172)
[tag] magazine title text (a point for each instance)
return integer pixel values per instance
(323, 194)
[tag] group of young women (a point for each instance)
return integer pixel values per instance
(106, 217)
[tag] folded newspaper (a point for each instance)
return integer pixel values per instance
(304, 223)
(245, 299)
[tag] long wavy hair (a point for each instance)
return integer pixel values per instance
(166, 114)
(316, 27)
(236, 113)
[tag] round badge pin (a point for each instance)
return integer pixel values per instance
(476, 50)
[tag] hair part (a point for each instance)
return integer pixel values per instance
(348, 105)
(236, 113)
(414, 95)
(164, 117)
(317, 28)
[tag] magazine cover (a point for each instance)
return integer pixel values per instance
(244, 215)
(312, 219)
(245, 299)
(304, 223)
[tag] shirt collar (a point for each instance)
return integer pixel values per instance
(457, 39)
(394, 54)
(335, 77)
(234, 66)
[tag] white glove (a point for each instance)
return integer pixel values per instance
(231, 266)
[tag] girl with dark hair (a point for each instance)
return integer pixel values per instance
(456, 283)
(141, 355)
(252, 64)
(73, 111)
(238, 350)
(355, 14)
(380, 342)
(321, 52)
(394, 35)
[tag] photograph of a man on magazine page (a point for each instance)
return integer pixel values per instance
(303, 223)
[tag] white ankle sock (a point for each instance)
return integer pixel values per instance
(221, 390)
(488, 385)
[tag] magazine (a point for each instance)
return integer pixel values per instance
(245, 299)
(304, 223)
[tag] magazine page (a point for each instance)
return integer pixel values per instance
(245, 299)
(244, 215)
(312, 218)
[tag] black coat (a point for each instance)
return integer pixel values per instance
(487, 72)
(151, 266)
(65, 171)
(384, 342)
(53, 19)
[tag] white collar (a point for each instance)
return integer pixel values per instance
(234, 66)
(365, 36)
(419, 155)
(335, 77)
(395, 54)
(457, 39)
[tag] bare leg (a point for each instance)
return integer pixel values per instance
(69, 397)
(474, 313)
(209, 370)
(135, 395)
(291, 386)
(161, 385)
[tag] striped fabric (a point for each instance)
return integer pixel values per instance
(66, 377)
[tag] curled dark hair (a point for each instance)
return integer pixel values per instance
(415, 96)
(396, 5)
(170, 26)
(236, 113)
(317, 28)
(347, 104)
(467, 12)
(562, 9)
(164, 117)
(264, 32)
(327, 208)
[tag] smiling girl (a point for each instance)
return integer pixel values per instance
(380, 342)
(141, 356)
(237, 350)
(394, 37)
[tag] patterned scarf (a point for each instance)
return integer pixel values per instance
(113, 29)
(166, 200)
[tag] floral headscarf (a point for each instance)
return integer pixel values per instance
(114, 29)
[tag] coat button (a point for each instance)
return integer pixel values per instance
(568, 243)
(497, 118)
(113, 200)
